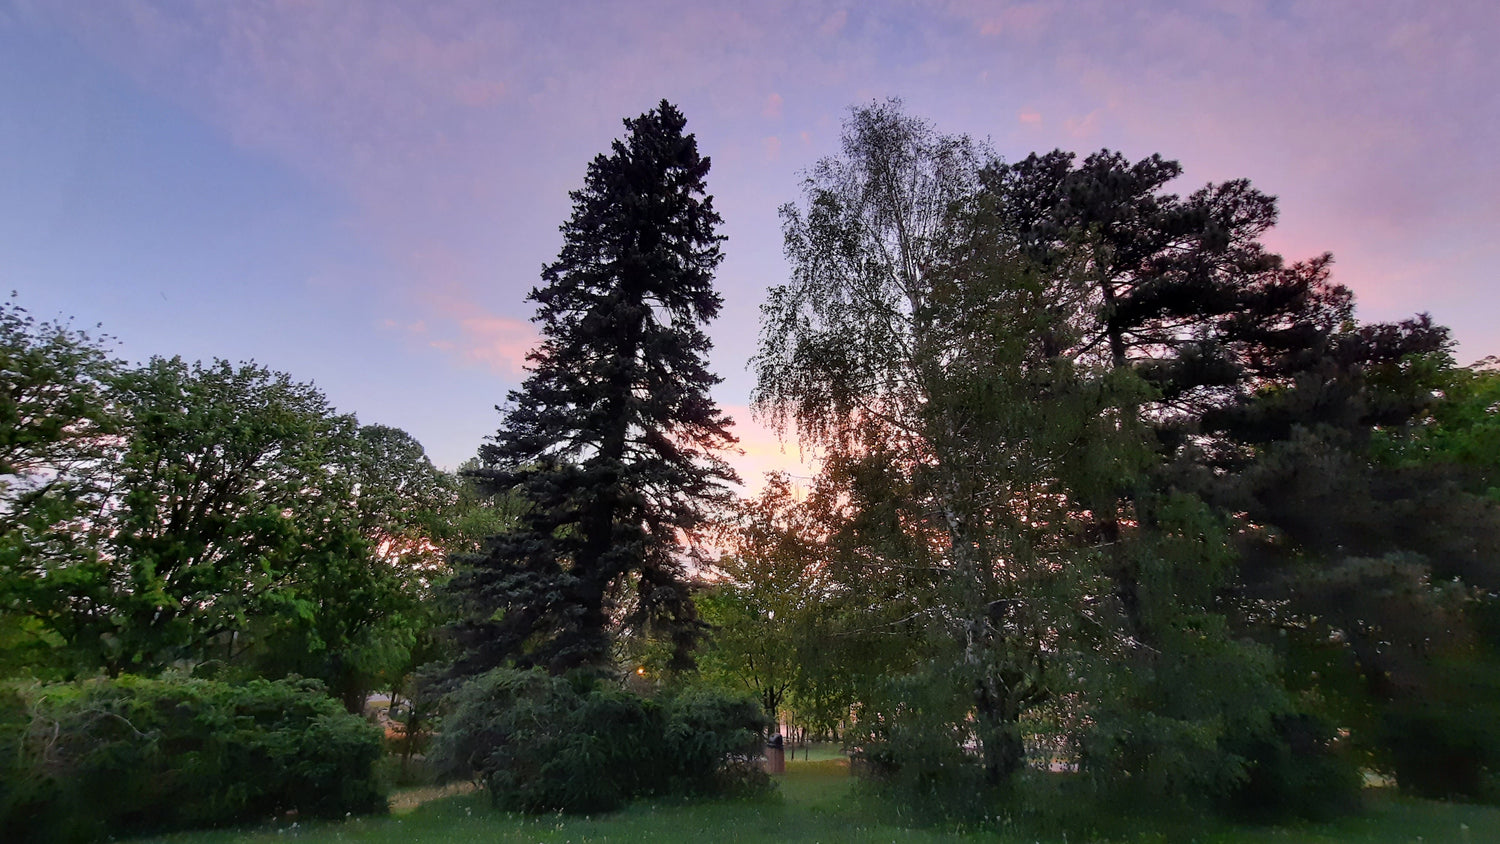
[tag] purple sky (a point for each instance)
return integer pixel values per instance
(362, 193)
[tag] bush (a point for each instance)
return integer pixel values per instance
(1442, 740)
(130, 756)
(1295, 770)
(577, 744)
(924, 771)
(1444, 752)
(912, 749)
(712, 744)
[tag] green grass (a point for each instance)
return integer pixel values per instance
(815, 752)
(816, 802)
(1389, 820)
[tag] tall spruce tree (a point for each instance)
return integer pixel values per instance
(612, 439)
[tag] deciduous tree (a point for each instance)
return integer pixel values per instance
(920, 348)
(58, 429)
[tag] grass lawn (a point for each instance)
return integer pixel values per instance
(814, 803)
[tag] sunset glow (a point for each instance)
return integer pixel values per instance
(362, 195)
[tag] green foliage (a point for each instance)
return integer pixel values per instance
(1445, 742)
(1028, 382)
(1462, 429)
(128, 756)
(56, 422)
(1297, 769)
(917, 346)
(217, 517)
(479, 513)
(1164, 691)
(54, 406)
(359, 606)
(1163, 728)
(712, 743)
(911, 744)
(748, 647)
(576, 744)
(1370, 551)
(774, 614)
(225, 492)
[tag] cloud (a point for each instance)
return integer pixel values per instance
(477, 93)
(463, 123)
(772, 147)
(1082, 128)
(499, 343)
(764, 450)
(1029, 117)
(445, 121)
(834, 23)
(1020, 19)
(415, 328)
(772, 108)
(449, 317)
(1372, 126)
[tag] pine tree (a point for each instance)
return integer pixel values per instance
(612, 439)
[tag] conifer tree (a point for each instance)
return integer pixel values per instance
(612, 439)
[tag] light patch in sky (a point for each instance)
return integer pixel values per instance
(416, 158)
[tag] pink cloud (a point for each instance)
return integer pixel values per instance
(1083, 128)
(1030, 117)
(763, 450)
(405, 106)
(454, 321)
(1019, 19)
(501, 343)
(834, 23)
(772, 108)
(496, 342)
(772, 147)
(477, 93)
(412, 328)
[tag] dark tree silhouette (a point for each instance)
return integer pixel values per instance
(612, 439)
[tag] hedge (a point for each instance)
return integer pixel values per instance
(81, 761)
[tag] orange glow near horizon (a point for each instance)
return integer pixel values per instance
(764, 451)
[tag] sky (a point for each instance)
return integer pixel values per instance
(362, 193)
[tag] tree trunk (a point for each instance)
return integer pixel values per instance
(1001, 746)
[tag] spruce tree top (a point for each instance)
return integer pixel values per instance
(624, 302)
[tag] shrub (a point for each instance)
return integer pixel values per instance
(131, 756)
(1444, 752)
(923, 769)
(1294, 770)
(1441, 739)
(712, 743)
(913, 749)
(578, 744)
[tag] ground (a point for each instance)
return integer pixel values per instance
(816, 801)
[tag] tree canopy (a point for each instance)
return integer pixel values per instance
(1106, 445)
(218, 518)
